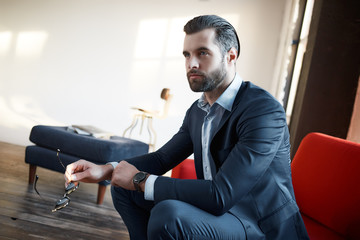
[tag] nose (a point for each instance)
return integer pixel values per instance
(192, 63)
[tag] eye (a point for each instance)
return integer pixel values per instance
(186, 54)
(203, 53)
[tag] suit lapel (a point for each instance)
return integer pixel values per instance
(227, 114)
(198, 121)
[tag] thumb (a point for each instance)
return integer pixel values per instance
(79, 176)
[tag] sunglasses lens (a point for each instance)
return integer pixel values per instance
(71, 187)
(61, 203)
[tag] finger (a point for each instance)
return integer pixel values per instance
(69, 171)
(79, 176)
(73, 167)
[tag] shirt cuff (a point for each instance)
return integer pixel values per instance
(149, 187)
(114, 164)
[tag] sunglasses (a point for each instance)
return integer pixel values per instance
(71, 187)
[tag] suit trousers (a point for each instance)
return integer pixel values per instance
(172, 219)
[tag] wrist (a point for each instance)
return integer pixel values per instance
(108, 170)
(139, 180)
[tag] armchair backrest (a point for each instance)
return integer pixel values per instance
(185, 170)
(326, 179)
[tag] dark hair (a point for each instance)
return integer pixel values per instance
(226, 36)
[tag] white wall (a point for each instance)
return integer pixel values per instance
(89, 61)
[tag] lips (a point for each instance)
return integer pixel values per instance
(194, 74)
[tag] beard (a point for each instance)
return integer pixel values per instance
(206, 82)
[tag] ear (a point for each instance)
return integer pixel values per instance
(232, 55)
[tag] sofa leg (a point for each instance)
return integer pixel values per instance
(101, 194)
(32, 172)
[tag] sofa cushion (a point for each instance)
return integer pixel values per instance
(317, 231)
(87, 147)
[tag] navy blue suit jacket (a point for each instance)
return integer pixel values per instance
(251, 167)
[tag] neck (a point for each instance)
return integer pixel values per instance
(213, 95)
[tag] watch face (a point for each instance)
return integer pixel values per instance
(139, 176)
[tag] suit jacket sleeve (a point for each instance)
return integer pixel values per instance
(178, 148)
(243, 149)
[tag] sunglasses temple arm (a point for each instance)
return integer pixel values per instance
(35, 182)
(57, 154)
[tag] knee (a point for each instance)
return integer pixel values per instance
(119, 196)
(167, 220)
(117, 193)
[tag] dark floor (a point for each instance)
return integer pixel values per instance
(24, 215)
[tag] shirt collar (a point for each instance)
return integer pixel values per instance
(227, 98)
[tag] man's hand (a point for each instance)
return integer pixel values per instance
(85, 171)
(123, 175)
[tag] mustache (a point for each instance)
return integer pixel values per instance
(196, 72)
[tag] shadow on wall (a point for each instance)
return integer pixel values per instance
(18, 115)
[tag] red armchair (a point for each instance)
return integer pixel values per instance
(185, 170)
(326, 179)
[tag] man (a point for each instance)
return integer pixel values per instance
(240, 141)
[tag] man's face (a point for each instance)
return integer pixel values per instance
(205, 64)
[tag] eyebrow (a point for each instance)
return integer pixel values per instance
(198, 49)
(203, 48)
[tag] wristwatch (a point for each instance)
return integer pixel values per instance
(138, 178)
